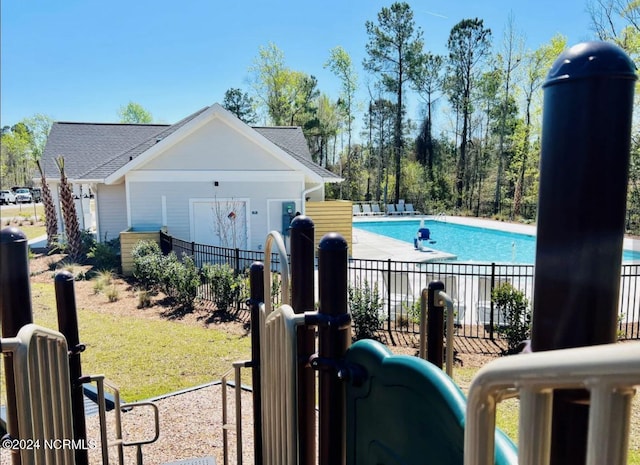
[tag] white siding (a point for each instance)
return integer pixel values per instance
(146, 203)
(111, 210)
(215, 146)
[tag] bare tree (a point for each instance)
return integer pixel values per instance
(226, 216)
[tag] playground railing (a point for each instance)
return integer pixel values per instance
(278, 361)
(609, 372)
(118, 442)
(43, 396)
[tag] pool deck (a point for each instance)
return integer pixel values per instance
(367, 245)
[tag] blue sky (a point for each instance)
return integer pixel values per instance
(80, 60)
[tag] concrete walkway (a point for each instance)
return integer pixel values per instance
(371, 246)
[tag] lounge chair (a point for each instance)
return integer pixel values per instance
(400, 209)
(483, 304)
(391, 209)
(356, 210)
(366, 209)
(409, 209)
(398, 289)
(375, 208)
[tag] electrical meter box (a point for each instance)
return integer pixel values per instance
(288, 213)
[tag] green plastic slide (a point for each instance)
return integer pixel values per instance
(406, 411)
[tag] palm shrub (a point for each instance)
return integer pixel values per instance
(514, 305)
(71, 226)
(366, 306)
(105, 255)
(50, 217)
(226, 286)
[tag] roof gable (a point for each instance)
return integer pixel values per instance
(217, 146)
(106, 152)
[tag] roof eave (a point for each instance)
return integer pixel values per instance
(333, 180)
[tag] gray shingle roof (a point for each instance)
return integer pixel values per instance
(114, 164)
(88, 145)
(291, 140)
(96, 150)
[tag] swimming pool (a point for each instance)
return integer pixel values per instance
(468, 243)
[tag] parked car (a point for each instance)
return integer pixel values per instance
(7, 197)
(23, 195)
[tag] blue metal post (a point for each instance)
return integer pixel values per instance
(588, 102)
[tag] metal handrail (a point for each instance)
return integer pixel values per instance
(238, 424)
(119, 442)
(274, 237)
(442, 299)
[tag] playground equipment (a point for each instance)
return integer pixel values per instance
(576, 290)
(374, 407)
(43, 373)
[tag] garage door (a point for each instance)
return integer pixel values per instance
(220, 222)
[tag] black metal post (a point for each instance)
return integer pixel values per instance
(491, 305)
(588, 102)
(435, 325)
(68, 326)
(256, 284)
(302, 300)
(333, 342)
(15, 311)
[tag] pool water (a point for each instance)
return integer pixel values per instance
(468, 243)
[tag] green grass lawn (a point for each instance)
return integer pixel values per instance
(24, 212)
(146, 358)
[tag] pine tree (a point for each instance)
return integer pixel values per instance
(71, 227)
(50, 217)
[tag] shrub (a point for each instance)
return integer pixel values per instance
(365, 305)
(147, 264)
(180, 280)
(105, 255)
(515, 307)
(225, 285)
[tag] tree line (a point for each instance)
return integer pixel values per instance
(473, 149)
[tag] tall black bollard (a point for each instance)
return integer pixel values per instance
(302, 300)
(435, 325)
(588, 100)
(256, 284)
(15, 310)
(68, 326)
(333, 341)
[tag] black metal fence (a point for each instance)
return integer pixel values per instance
(398, 285)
